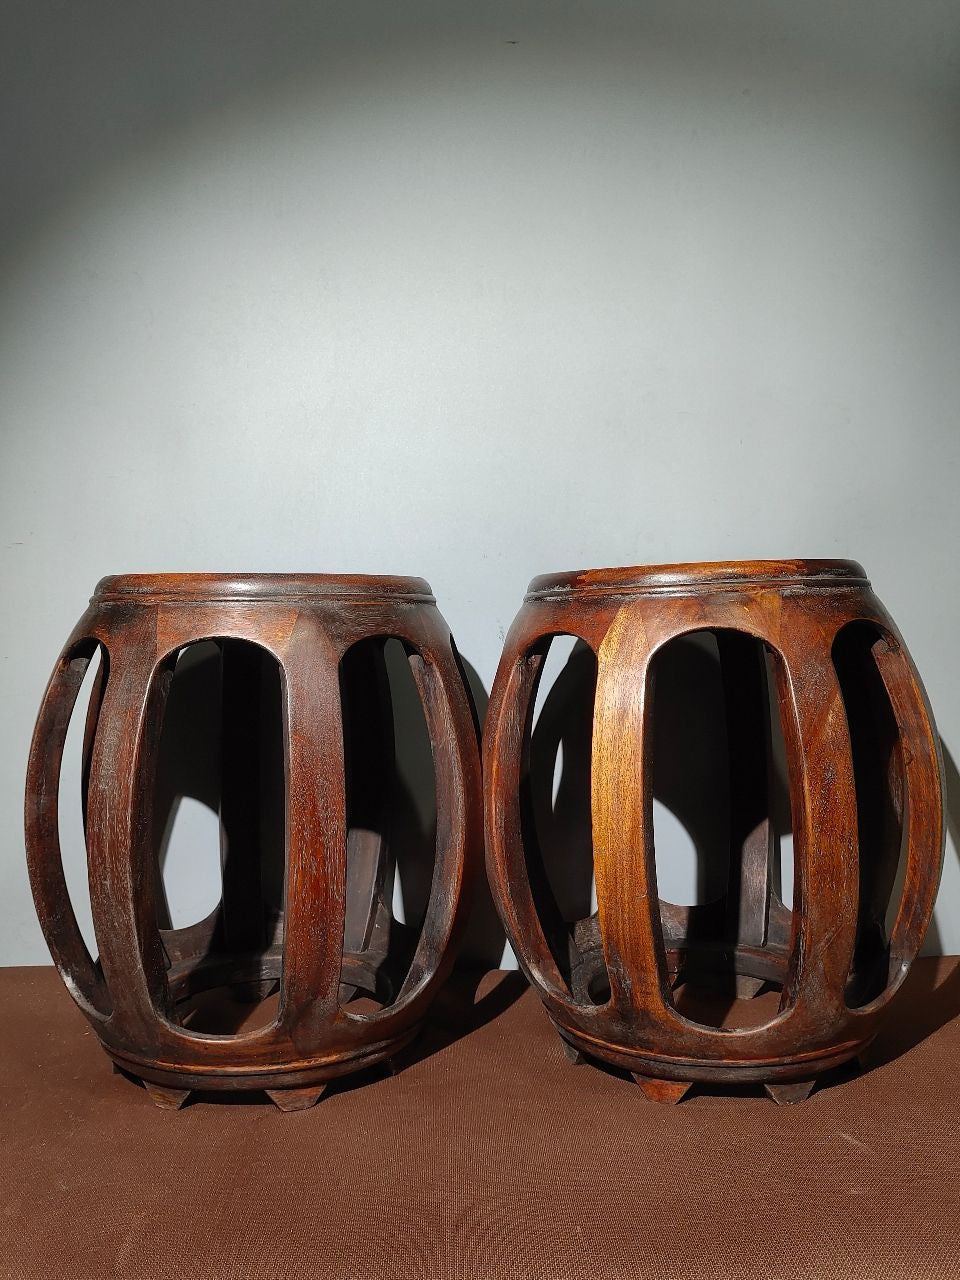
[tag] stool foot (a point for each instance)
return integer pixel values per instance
(295, 1099)
(785, 1095)
(571, 1053)
(666, 1092)
(166, 1098)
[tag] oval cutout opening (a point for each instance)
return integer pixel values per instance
(391, 805)
(719, 795)
(187, 789)
(218, 823)
(879, 781)
(691, 792)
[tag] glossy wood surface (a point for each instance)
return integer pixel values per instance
(831, 945)
(332, 936)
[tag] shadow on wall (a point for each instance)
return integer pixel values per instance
(930, 997)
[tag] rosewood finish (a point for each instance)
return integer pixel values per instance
(332, 935)
(865, 788)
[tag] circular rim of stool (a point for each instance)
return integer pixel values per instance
(668, 579)
(132, 588)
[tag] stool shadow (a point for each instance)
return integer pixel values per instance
(462, 1007)
(927, 1000)
(483, 939)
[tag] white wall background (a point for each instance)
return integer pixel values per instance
(474, 291)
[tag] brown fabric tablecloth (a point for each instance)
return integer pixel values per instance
(488, 1156)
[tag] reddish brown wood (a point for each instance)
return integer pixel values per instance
(668, 1092)
(335, 935)
(829, 955)
(295, 1099)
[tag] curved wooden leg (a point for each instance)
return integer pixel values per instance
(123, 879)
(825, 840)
(449, 719)
(508, 712)
(622, 809)
(923, 778)
(316, 840)
(51, 895)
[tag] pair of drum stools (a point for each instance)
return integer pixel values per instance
(803, 640)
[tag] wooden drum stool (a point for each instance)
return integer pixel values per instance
(861, 757)
(308, 651)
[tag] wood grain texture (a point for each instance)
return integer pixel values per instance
(134, 994)
(781, 615)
